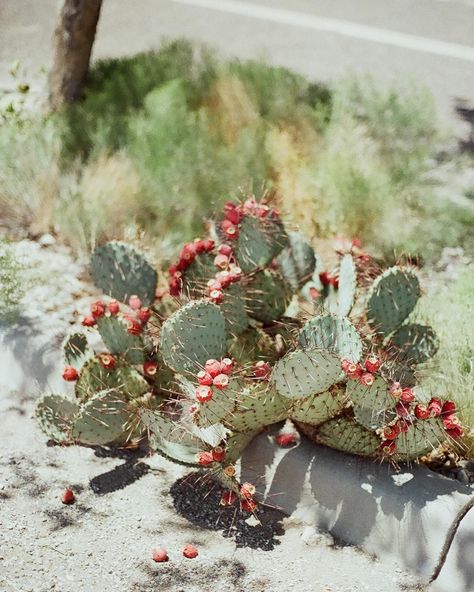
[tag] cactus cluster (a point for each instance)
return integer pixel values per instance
(201, 370)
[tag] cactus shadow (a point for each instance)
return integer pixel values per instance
(122, 475)
(196, 498)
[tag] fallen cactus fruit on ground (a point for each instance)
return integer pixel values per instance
(232, 349)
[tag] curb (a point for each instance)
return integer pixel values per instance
(415, 518)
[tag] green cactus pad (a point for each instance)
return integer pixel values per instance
(413, 344)
(319, 408)
(422, 437)
(373, 405)
(300, 374)
(253, 344)
(344, 434)
(76, 350)
(392, 298)
(104, 419)
(220, 406)
(196, 276)
(123, 378)
(298, 261)
(233, 309)
(257, 406)
(259, 241)
(347, 285)
(56, 415)
(116, 338)
(334, 334)
(267, 296)
(120, 271)
(193, 335)
(171, 438)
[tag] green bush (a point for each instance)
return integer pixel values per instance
(12, 284)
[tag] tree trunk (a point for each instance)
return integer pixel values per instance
(73, 40)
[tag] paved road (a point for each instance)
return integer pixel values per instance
(431, 41)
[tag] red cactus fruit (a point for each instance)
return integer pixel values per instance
(204, 378)
(435, 407)
(334, 281)
(396, 390)
(286, 440)
(402, 410)
(204, 458)
(422, 412)
(356, 242)
(70, 373)
(223, 279)
(231, 231)
(449, 407)
(247, 490)
(262, 369)
(250, 204)
(188, 253)
(233, 212)
(325, 278)
(134, 302)
(225, 250)
(134, 327)
(226, 365)
(454, 431)
(67, 496)
(248, 505)
(97, 309)
(175, 285)
(367, 379)
(407, 395)
(228, 498)
(262, 211)
(221, 381)
(107, 361)
(218, 453)
(214, 284)
(150, 368)
(235, 273)
(199, 246)
(203, 393)
(159, 555)
(352, 370)
(229, 471)
(113, 307)
(402, 426)
(213, 367)
(216, 296)
(391, 432)
(221, 261)
(372, 364)
(314, 293)
(208, 244)
(144, 314)
(88, 322)
(388, 447)
(190, 552)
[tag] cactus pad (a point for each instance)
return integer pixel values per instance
(413, 344)
(193, 335)
(233, 309)
(170, 438)
(219, 407)
(236, 444)
(267, 296)
(392, 298)
(56, 415)
(317, 409)
(347, 285)
(300, 374)
(76, 350)
(259, 242)
(197, 274)
(104, 419)
(116, 338)
(297, 262)
(344, 434)
(422, 437)
(123, 378)
(257, 406)
(334, 334)
(373, 405)
(120, 271)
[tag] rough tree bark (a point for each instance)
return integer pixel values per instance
(73, 39)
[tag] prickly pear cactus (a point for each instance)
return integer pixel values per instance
(200, 372)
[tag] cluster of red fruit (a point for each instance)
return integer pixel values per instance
(329, 279)
(160, 554)
(229, 273)
(135, 322)
(234, 213)
(216, 374)
(206, 458)
(187, 255)
(365, 375)
(262, 370)
(247, 501)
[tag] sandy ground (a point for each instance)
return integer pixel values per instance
(128, 503)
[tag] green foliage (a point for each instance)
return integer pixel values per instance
(13, 283)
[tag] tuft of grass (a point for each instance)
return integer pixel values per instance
(450, 310)
(12, 284)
